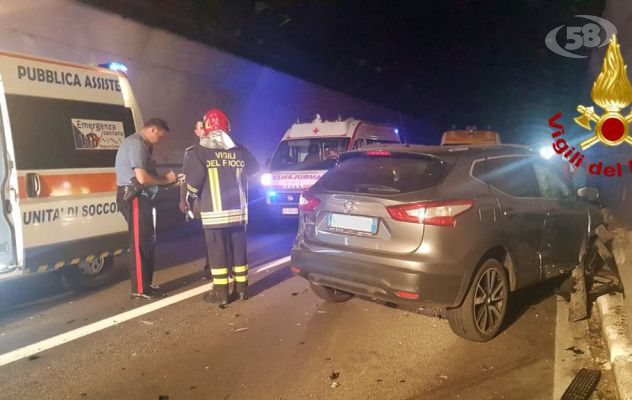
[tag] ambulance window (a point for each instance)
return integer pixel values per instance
(54, 133)
(378, 141)
(358, 144)
(306, 154)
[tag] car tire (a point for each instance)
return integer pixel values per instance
(89, 275)
(330, 294)
(481, 315)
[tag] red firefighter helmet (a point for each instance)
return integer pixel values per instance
(216, 120)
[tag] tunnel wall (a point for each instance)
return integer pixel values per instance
(179, 79)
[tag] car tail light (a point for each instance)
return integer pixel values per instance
(439, 213)
(296, 270)
(407, 295)
(378, 153)
(307, 202)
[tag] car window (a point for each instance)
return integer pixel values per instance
(385, 175)
(514, 176)
(551, 182)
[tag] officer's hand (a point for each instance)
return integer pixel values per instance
(171, 177)
(184, 207)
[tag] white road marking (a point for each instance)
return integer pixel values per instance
(272, 264)
(74, 334)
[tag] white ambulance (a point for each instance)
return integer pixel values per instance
(60, 128)
(308, 150)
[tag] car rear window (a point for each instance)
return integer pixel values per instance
(394, 174)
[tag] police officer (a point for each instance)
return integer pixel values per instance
(216, 171)
(189, 203)
(137, 184)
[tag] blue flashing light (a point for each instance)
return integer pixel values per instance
(396, 131)
(115, 66)
(272, 194)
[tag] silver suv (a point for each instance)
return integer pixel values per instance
(458, 227)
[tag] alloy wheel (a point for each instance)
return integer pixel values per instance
(489, 301)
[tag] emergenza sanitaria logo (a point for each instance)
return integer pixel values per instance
(612, 92)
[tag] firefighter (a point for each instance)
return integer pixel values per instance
(216, 171)
(189, 203)
(137, 184)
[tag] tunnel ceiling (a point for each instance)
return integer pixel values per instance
(459, 62)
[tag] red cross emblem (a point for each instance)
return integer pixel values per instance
(316, 130)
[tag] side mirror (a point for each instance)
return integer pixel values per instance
(588, 193)
(33, 185)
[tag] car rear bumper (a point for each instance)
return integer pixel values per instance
(380, 277)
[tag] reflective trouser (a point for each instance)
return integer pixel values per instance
(228, 258)
(140, 222)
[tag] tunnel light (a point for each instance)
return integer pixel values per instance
(266, 179)
(115, 66)
(547, 152)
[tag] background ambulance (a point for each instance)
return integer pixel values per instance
(60, 128)
(308, 150)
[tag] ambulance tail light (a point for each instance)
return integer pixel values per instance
(438, 213)
(307, 202)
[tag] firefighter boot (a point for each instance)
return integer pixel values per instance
(217, 296)
(241, 281)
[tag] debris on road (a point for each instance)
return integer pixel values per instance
(334, 375)
(575, 350)
(334, 384)
(240, 330)
(34, 357)
(294, 293)
(444, 377)
(321, 312)
(147, 322)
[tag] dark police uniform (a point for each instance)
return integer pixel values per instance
(135, 152)
(219, 178)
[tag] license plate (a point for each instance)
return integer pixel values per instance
(289, 211)
(352, 223)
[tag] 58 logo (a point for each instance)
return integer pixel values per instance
(590, 35)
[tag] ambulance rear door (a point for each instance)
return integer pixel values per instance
(9, 212)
